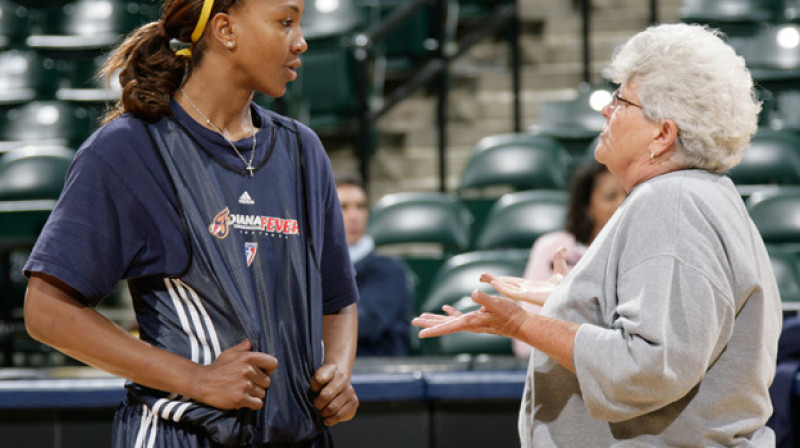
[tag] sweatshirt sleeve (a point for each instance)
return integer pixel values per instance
(671, 322)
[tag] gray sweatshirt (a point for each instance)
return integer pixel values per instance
(680, 317)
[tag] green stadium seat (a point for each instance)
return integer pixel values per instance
(776, 214)
(332, 18)
(791, 11)
(574, 123)
(521, 161)
(517, 219)
(326, 85)
(14, 25)
(420, 217)
(773, 157)
(409, 44)
(475, 10)
(772, 55)
(80, 84)
(87, 24)
(34, 172)
(786, 267)
(31, 179)
(460, 275)
(734, 17)
(46, 122)
(580, 118)
(25, 76)
(453, 284)
(786, 114)
(510, 162)
(423, 228)
(325, 91)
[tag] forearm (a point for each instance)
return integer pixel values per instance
(340, 335)
(554, 337)
(54, 317)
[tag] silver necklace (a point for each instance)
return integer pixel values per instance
(219, 131)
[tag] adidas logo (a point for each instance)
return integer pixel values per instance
(246, 199)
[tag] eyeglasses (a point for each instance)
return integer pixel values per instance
(615, 99)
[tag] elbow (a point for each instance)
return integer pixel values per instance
(46, 304)
(34, 316)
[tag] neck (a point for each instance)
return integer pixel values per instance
(228, 108)
(646, 170)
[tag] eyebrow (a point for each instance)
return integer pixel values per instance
(291, 7)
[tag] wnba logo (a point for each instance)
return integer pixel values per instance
(219, 227)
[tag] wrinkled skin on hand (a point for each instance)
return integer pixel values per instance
(497, 315)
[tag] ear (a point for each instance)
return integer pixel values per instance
(221, 28)
(666, 135)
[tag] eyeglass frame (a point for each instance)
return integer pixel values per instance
(616, 98)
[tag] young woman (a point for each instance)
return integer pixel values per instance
(225, 220)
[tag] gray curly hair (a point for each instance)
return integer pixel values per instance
(688, 74)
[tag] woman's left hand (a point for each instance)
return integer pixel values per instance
(497, 315)
(336, 399)
(531, 291)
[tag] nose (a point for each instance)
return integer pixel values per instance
(300, 45)
(608, 109)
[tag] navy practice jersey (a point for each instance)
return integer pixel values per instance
(118, 215)
(230, 259)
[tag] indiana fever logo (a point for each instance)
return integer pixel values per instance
(219, 226)
(252, 224)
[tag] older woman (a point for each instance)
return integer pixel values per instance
(665, 332)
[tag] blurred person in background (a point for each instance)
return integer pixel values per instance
(384, 306)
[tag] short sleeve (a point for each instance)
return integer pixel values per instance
(116, 217)
(338, 275)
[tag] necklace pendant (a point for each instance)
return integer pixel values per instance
(250, 168)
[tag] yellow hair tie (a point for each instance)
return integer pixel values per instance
(198, 29)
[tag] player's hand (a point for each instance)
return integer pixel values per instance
(336, 399)
(239, 378)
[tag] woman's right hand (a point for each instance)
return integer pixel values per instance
(531, 291)
(237, 379)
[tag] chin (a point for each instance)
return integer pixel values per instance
(275, 92)
(598, 153)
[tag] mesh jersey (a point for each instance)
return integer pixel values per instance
(249, 271)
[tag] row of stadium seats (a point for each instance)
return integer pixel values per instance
(448, 277)
(458, 276)
(71, 25)
(51, 50)
(31, 179)
(737, 17)
(506, 163)
(517, 219)
(766, 33)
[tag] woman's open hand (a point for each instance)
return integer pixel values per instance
(497, 315)
(532, 291)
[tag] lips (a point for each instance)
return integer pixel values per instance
(292, 68)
